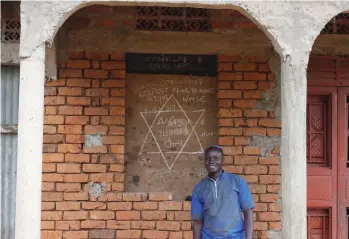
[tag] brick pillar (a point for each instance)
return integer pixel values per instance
(30, 136)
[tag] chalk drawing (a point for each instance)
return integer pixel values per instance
(160, 151)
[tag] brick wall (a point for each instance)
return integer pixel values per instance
(89, 98)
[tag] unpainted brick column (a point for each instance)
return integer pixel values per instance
(29, 156)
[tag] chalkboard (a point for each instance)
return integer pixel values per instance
(173, 64)
(171, 119)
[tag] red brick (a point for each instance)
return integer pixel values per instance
(253, 94)
(102, 215)
(75, 234)
(96, 129)
(252, 150)
(170, 206)
(274, 132)
(269, 179)
(256, 169)
(269, 123)
(96, 111)
(118, 225)
(79, 82)
(255, 76)
(269, 216)
(153, 234)
(143, 225)
(77, 120)
(270, 160)
(93, 205)
(52, 139)
(230, 131)
(186, 226)
(117, 56)
(230, 113)
(225, 67)
(68, 187)
(81, 196)
(153, 215)
(94, 120)
(49, 148)
(273, 188)
(160, 196)
(225, 103)
(52, 157)
(246, 160)
(51, 197)
(50, 91)
(97, 92)
(78, 178)
(97, 55)
(260, 226)
(255, 188)
(114, 140)
(70, 91)
(255, 131)
(47, 206)
(232, 150)
(94, 168)
(234, 169)
(52, 177)
(48, 129)
(69, 148)
(187, 235)
(70, 129)
(225, 76)
(95, 64)
(120, 206)
(113, 101)
(78, 64)
(245, 103)
(245, 67)
(75, 139)
(116, 130)
(113, 65)
(182, 216)
(119, 111)
(225, 140)
(78, 158)
(97, 74)
(229, 94)
(95, 149)
(47, 225)
(244, 85)
(117, 92)
(73, 73)
(118, 74)
(145, 205)
(269, 197)
(47, 186)
(101, 177)
(78, 100)
(168, 226)
(255, 113)
(67, 206)
(186, 206)
(117, 168)
(127, 215)
(275, 225)
(263, 68)
(53, 119)
(225, 122)
(240, 141)
(51, 234)
(93, 224)
(70, 110)
(118, 149)
(223, 85)
(260, 207)
(134, 197)
(54, 100)
(128, 234)
(258, 59)
(72, 54)
(274, 170)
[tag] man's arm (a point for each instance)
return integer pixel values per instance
(197, 227)
(248, 218)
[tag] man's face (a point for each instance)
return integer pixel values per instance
(213, 161)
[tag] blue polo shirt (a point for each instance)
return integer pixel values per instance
(220, 204)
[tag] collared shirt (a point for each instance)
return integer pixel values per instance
(219, 203)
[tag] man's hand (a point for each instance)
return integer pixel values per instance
(197, 228)
(248, 218)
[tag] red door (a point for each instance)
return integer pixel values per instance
(322, 162)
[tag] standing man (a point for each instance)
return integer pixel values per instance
(219, 201)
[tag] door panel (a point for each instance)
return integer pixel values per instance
(322, 162)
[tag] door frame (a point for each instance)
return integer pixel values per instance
(343, 171)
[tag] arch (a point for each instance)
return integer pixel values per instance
(255, 11)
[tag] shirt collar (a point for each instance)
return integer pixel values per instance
(222, 175)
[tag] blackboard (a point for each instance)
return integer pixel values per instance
(173, 64)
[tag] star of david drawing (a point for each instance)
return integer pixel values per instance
(187, 134)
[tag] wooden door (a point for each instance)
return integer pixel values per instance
(322, 162)
(343, 163)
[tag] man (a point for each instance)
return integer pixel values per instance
(219, 201)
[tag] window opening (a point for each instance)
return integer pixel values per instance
(338, 25)
(173, 19)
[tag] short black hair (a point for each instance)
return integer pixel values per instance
(213, 148)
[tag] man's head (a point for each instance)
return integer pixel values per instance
(213, 157)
